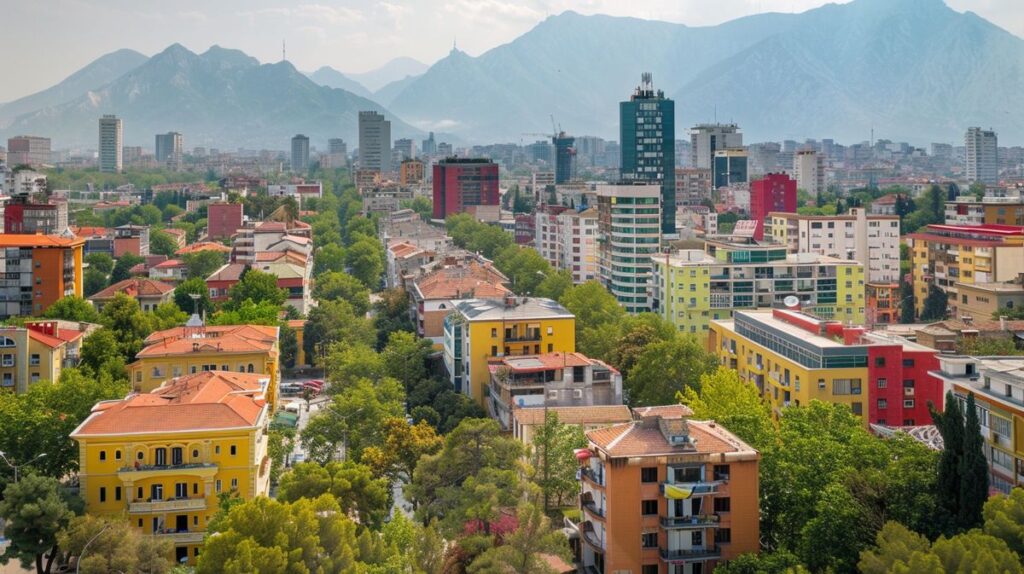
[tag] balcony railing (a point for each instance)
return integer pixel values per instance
(592, 476)
(182, 537)
(167, 505)
(678, 489)
(697, 521)
(689, 554)
(202, 468)
(524, 337)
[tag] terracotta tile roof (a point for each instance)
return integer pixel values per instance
(49, 341)
(207, 400)
(271, 226)
(647, 437)
(134, 287)
(470, 280)
(402, 249)
(175, 232)
(665, 411)
(170, 264)
(90, 231)
(980, 325)
(590, 415)
(229, 272)
(203, 246)
(210, 339)
(288, 255)
(28, 240)
(544, 362)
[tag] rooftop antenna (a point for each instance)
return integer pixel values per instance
(283, 57)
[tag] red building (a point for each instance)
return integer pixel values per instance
(462, 182)
(773, 192)
(525, 228)
(900, 385)
(223, 220)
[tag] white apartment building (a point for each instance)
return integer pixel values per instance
(567, 238)
(809, 171)
(705, 139)
(629, 232)
(873, 240)
(981, 155)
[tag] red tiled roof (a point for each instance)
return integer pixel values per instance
(665, 411)
(90, 231)
(49, 341)
(645, 438)
(470, 280)
(219, 339)
(600, 414)
(169, 264)
(135, 287)
(203, 246)
(206, 400)
(28, 240)
(229, 272)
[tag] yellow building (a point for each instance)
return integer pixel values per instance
(953, 255)
(162, 458)
(793, 358)
(188, 350)
(481, 329)
(39, 351)
(690, 288)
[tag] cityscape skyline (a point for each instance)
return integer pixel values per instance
(354, 37)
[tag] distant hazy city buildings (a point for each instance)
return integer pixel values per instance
(706, 139)
(300, 153)
(809, 171)
(981, 155)
(730, 167)
(169, 148)
(28, 150)
(337, 146)
(374, 142)
(111, 158)
(565, 154)
(429, 146)
(404, 149)
(465, 184)
(647, 132)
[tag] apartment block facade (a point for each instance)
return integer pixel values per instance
(628, 233)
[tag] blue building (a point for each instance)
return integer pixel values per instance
(647, 130)
(565, 154)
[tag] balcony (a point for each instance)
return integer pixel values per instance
(683, 490)
(590, 535)
(592, 476)
(684, 554)
(697, 521)
(133, 473)
(170, 505)
(182, 537)
(527, 337)
(588, 504)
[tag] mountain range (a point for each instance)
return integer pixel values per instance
(914, 70)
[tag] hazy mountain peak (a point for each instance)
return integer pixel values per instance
(228, 56)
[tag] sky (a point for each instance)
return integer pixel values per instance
(46, 40)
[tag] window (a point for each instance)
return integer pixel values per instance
(234, 450)
(103, 455)
(649, 474)
(721, 472)
(195, 488)
(117, 493)
(723, 535)
(494, 332)
(882, 383)
(216, 449)
(879, 361)
(649, 539)
(34, 360)
(494, 351)
(883, 404)
(908, 404)
(181, 490)
(160, 457)
(117, 455)
(649, 569)
(195, 454)
(156, 492)
(908, 362)
(857, 408)
(697, 538)
(103, 494)
(234, 484)
(217, 485)
(8, 360)
(723, 504)
(648, 507)
(177, 455)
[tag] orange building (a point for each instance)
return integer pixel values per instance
(38, 270)
(410, 172)
(883, 303)
(667, 495)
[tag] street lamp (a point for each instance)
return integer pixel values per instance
(78, 563)
(17, 466)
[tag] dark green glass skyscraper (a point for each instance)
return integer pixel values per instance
(647, 131)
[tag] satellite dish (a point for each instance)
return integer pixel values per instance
(791, 301)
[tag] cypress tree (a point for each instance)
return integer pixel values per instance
(973, 470)
(950, 425)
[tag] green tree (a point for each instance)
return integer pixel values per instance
(405, 358)
(114, 545)
(34, 509)
(341, 285)
(333, 322)
(330, 257)
(248, 313)
(391, 313)
(523, 551)
(840, 529)
(129, 324)
(1004, 519)
(264, 536)
(93, 281)
(524, 267)
(728, 399)
(166, 315)
(666, 368)
(353, 419)
(973, 469)
(776, 562)
(202, 264)
(553, 459)
(101, 353)
(125, 262)
(403, 446)
(161, 243)
(906, 303)
(366, 262)
(348, 363)
(353, 486)
(598, 317)
(899, 550)
(554, 285)
(936, 305)
(183, 296)
(256, 286)
(72, 308)
(950, 425)
(100, 262)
